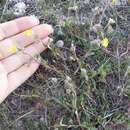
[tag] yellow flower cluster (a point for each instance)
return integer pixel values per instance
(13, 48)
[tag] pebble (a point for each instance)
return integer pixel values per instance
(60, 43)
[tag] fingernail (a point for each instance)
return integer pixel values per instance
(34, 19)
(49, 28)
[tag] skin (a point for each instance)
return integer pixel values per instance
(16, 67)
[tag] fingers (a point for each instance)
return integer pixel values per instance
(10, 46)
(21, 75)
(15, 61)
(16, 26)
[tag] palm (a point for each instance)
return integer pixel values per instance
(10, 82)
(14, 66)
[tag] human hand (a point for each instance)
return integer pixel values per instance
(15, 66)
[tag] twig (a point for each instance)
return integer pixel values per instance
(26, 114)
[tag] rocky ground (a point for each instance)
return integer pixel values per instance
(83, 81)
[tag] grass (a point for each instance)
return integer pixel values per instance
(82, 85)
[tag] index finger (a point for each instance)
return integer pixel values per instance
(16, 26)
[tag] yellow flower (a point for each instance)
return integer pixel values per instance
(13, 49)
(105, 42)
(28, 32)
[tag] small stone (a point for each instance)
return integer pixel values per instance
(60, 43)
